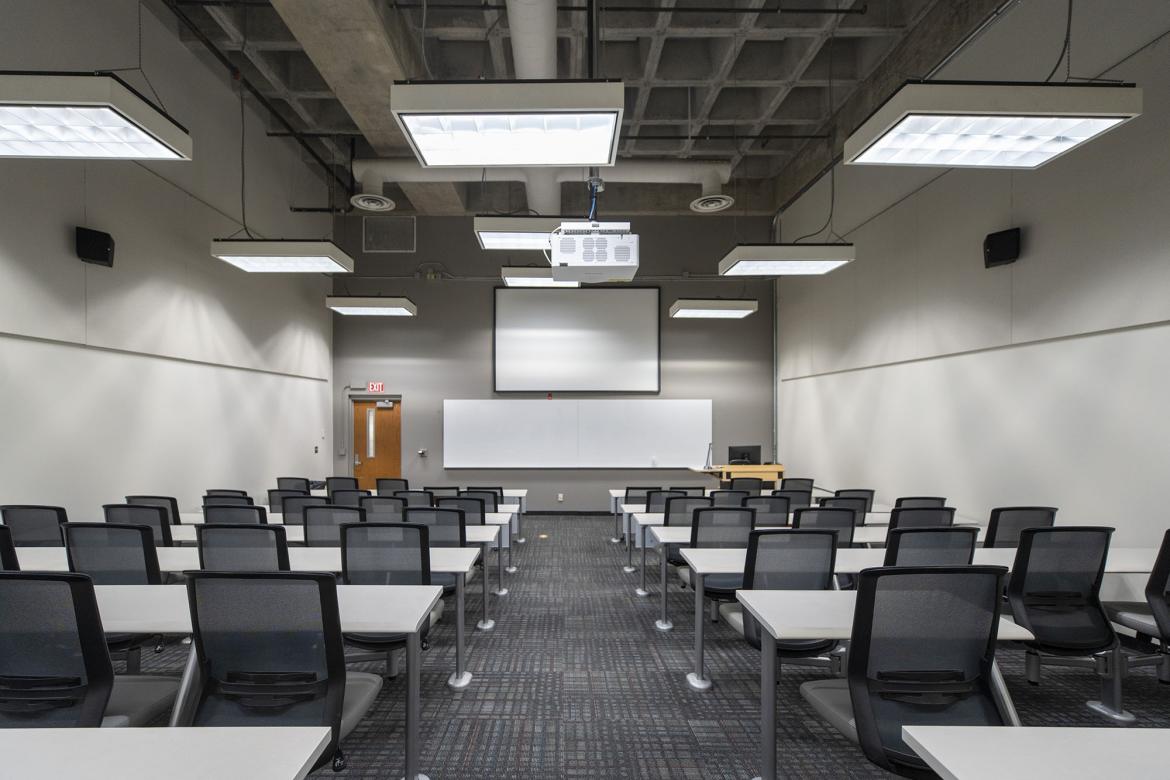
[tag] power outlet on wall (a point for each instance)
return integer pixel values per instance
(560, 497)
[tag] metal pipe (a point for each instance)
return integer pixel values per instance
(706, 9)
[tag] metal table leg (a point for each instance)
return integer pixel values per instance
(520, 520)
(642, 590)
(617, 521)
(487, 624)
(460, 678)
(500, 589)
(629, 567)
(695, 678)
(663, 623)
(767, 707)
(413, 662)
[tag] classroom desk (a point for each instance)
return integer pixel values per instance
(817, 614)
(365, 609)
(521, 506)
(197, 753)
(1028, 752)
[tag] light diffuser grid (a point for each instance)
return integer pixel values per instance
(529, 138)
(76, 132)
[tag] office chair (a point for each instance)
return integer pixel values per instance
(796, 483)
(839, 519)
(153, 517)
(797, 499)
(416, 497)
(235, 515)
(752, 485)
(865, 493)
(323, 523)
(656, 500)
(169, 503)
(728, 497)
(340, 483)
(276, 499)
(491, 499)
(930, 546)
(8, 559)
(34, 526)
(293, 508)
(771, 511)
(296, 484)
(226, 492)
(921, 654)
(922, 517)
(499, 491)
(1150, 619)
(345, 497)
(1003, 529)
(269, 652)
(856, 503)
(242, 547)
(388, 486)
(911, 502)
(217, 500)
(638, 495)
(717, 526)
(383, 509)
(447, 491)
(446, 527)
(690, 490)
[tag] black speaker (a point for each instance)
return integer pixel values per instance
(1001, 248)
(94, 246)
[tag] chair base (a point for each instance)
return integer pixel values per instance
(697, 682)
(663, 625)
(1117, 716)
(641, 592)
(455, 681)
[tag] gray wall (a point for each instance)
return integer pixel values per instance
(445, 352)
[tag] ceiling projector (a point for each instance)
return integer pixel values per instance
(594, 252)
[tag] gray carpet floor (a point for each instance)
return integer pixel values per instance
(575, 682)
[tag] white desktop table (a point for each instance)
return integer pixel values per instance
(816, 614)
(1028, 752)
(197, 753)
(364, 609)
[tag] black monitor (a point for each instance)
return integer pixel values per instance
(744, 454)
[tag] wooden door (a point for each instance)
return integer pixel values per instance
(381, 457)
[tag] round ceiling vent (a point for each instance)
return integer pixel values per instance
(369, 202)
(709, 204)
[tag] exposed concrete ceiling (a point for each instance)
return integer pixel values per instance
(699, 85)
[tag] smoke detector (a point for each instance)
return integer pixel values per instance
(709, 204)
(368, 201)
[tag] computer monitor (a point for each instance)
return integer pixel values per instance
(744, 454)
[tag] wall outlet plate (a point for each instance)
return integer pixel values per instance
(560, 496)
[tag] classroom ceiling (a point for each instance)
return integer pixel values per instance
(700, 84)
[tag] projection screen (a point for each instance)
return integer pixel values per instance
(588, 340)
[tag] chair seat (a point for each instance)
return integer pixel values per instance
(1135, 615)
(379, 642)
(732, 614)
(712, 582)
(139, 700)
(361, 689)
(830, 699)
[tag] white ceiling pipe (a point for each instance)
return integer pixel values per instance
(532, 26)
(544, 191)
(711, 176)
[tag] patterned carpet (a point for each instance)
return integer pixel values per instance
(575, 682)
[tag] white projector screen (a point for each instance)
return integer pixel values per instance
(582, 340)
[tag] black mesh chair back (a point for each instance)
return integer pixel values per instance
(276, 499)
(751, 485)
(722, 526)
(226, 492)
(323, 523)
(490, 498)
(348, 497)
(1158, 589)
(268, 651)
(416, 497)
(921, 654)
(865, 493)
(294, 508)
(340, 483)
(169, 503)
(497, 491)
(299, 484)
(472, 508)
(242, 547)
(210, 500)
(385, 554)
(1055, 588)
(153, 517)
(55, 669)
(8, 559)
(383, 509)
(680, 510)
(690, 490)
(112, 553)
(797, 499)
(922, 517)
(786, 559)
(771, 511)
(446, 527)
(34, 526)
(656, 499)
(858, 505)
(638, 495)
(442, 492)
(728, 497)
(838, 519)
(388, 486)
(930, 546)
(796, 483)
(234, 515)
(920, 501)
(1003, 530)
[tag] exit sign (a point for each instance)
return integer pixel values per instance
(375, 387)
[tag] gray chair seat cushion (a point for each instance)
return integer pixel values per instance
(1135, 615)
(830, 699)
(711, 581)
(732, 614)
(380, 641)
(361, 688)
(138, 700)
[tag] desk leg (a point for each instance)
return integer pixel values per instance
(617, 521)
(663, 623)
(520, 520)
(487, 624)
(413, 674)
(500, 589)
(642, 590)
(185, 685)
(461, 677)
(767, 706)
(510, 568)
(695, 678)
(629, 567)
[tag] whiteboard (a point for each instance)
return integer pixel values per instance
(582, 433)
(583, 340)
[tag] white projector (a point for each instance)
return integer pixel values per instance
(594, 252)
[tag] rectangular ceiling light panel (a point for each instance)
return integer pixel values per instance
(713, 308)
(974, 125)
(84, 116)
(372, 306)
(283, 257)
(528, 276)
(516, 233)
(785, 259)
(513, 123)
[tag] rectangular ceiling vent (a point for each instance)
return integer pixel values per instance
(388, 234)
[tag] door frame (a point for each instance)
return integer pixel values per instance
(361, 395)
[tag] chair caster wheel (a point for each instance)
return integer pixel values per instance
(339, 762)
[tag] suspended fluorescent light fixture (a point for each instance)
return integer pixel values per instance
(282, 256)
(785, 259)
(516, 233)
(481, 124)
(713, 308)
(372, 306)
(528, 276)
(84, 116)
(988, 125)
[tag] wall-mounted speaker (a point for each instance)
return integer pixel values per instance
(1001, 248)
(94, 246)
